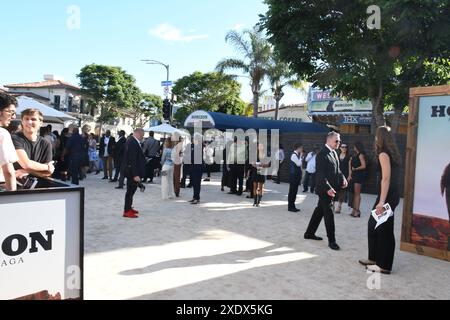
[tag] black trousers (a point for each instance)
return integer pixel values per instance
(131, 190)
(196, 181)
(75, 170)
(382, 240)
(150, 169)
(312, 177)
(294, 182)
(323, 210)
(237, 173)
(186, 173)
(117, 166)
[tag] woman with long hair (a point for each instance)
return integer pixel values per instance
(357, 175)
(344, 159)
(381, 239)
(260, 174)
(167, 164)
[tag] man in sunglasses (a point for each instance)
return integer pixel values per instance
(329, 180)
(7, 151)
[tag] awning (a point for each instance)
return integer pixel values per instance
(224, 121)
(50, 114)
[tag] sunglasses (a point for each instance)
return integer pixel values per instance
(338, 141)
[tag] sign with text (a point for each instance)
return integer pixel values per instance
(324, 102)
(40, 246)
(166, 84)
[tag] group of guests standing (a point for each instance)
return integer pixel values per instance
(27, 153)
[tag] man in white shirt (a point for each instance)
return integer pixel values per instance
(310, 170)
(295, 176)
(8, 154)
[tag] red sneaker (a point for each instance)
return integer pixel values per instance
(130, 214)
(134, 211)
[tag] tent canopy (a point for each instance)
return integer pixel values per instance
(224, 121)
(50, 114)
(165, 129)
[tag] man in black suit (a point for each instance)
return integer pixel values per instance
(118, 155)
(134, 162)
(106, 153)
(329, 179)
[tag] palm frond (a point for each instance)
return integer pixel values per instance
(229, 63)
(237, 40)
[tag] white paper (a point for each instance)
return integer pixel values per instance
(384, 217)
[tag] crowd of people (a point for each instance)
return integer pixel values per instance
(31, 150)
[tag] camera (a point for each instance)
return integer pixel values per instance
(27, 182)
(141, 186)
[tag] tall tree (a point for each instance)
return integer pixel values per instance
(111, 89)
(208, 91)
(331, 45)
(257, 52)
(280, 75)
(146, 107)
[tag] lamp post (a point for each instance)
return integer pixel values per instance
(147, 61)
(150, 61)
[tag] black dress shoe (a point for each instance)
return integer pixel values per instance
(334, 246)
(312, 237)
(294, 210)
(239, 193)
(232, 192)
(119, 187)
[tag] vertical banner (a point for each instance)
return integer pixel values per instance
(426, 227)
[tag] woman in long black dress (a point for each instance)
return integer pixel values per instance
(382, 239)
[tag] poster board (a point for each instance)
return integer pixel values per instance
(426, 214)
(41, 239)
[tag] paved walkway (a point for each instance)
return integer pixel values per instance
(226, 249)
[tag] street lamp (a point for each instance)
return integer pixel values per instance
(160, 63)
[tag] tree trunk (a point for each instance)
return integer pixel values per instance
(378, 110)
(396, 120)
(255, 104)
(277, 108)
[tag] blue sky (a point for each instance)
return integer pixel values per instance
(39, 38)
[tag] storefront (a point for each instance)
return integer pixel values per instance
(349, 117)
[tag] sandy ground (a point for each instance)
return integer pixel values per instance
(226, 249)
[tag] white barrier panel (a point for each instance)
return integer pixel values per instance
(41, 244)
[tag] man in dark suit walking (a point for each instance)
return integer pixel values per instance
(329, 179)
(134, 162)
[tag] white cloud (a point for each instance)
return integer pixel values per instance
(168, 32)
(238, 26)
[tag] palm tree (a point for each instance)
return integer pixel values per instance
(280, 76)
(257, 52)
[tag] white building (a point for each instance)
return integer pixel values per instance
(292, 113)
(56, 93)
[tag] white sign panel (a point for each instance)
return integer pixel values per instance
(32, 256)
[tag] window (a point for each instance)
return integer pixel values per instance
(82, 106)
(70, 103)
(57, 102)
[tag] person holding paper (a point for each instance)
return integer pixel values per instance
(381, 238)
(329, 179)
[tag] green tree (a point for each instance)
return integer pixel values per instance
(146, 106)
(208, 91)
(111, 89)
(329, 44)
(257, 52)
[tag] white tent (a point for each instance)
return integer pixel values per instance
(165, 129)
(50, 114)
